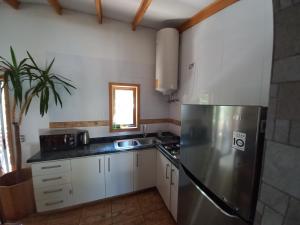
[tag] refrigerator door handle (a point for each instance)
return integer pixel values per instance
(208, 198)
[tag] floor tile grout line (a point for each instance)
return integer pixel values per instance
(147, 203)
(81, 214)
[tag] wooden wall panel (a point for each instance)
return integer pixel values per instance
(103, 123)
(72, 124)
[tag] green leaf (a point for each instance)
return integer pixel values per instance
(32, 60)
(59, 99)
(67, 90)
(22, 63)
(40, 82)
(46, 99)
(6, 62)
(13, 57)
(28, 105)
(41, 104)
(50, 66)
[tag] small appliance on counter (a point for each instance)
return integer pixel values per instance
(62, 139)
(85, 138)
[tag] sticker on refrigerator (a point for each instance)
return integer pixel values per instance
(239, 141)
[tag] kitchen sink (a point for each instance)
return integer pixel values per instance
(126, 144)
(133, 143)
(146, 141)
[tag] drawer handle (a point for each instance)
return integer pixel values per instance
(50, 167)
(53, 191)
(172, 170)
(167, 166)
(54, 203)
(51, 179)
(99, 165)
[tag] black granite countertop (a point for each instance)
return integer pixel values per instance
(89, 150)
(81, 151)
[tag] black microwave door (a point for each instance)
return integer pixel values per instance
(55, 142)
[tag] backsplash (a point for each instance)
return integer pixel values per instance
(279, 200)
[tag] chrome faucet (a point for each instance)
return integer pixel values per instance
(144, 129)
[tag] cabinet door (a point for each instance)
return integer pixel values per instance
(119, 173)
(174, 191)
(163, 178)
(88, 179)
(144, 169)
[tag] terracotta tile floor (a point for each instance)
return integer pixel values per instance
(145, 208)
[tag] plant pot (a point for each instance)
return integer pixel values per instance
(16, 195)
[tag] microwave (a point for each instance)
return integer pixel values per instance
(60, 139)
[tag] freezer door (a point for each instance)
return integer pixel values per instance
(222, 147)
(196, 208)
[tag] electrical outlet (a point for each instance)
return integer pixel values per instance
(22, 138)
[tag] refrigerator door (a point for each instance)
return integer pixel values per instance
(196, 208)
(222, 147)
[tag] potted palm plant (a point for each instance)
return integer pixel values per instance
(26, 81)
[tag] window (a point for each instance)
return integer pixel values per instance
(124, 103)
(6, 149)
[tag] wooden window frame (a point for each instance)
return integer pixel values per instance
(124, 86)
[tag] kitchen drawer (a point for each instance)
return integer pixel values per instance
(52, 204)
(52, 167)
(51, 180)
(53, 192)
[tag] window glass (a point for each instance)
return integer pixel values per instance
(124, 107)
(5, 164)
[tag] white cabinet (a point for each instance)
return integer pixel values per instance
(88, 179)
(118, 173)
(174, 191)
(214, 69)
(52, 185)
(163, 177)
(144, 169)
(62, 183)
(167, 183)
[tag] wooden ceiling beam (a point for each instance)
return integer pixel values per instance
(13, 3)
(203, 14)
(99, 10)
(140, 13)
(56, 6)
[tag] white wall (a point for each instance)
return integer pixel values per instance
(88, 53)
(232, 56)
(232, 46)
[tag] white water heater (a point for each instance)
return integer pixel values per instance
(167, 48)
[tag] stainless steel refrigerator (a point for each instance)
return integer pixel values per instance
(221, 156)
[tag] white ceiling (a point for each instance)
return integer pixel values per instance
(161, 13)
